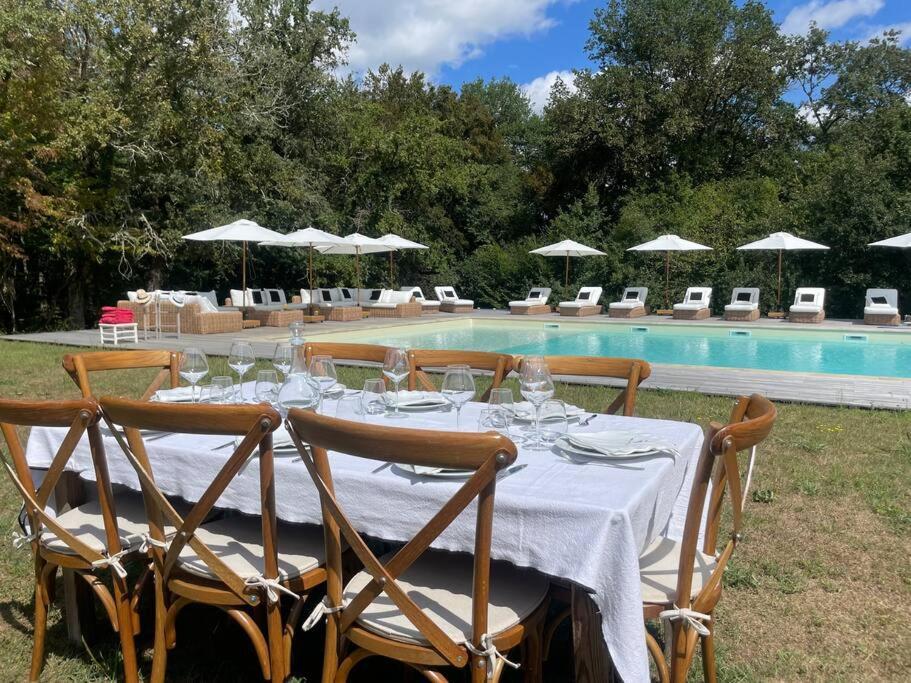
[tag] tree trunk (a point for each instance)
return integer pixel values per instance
(75, 303)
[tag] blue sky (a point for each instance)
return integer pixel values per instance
(534, 41)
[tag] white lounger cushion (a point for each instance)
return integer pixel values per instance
(536, 297)
(658, 567)
(744, 299)
(880, 309)
(741, 307)
(237, 541)
(440, 584)
(808, 300)
(448, 295)
(587, 296)
(696, 299)
(419, 295)
(881, 302)
(633, 297)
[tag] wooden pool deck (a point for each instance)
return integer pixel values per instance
(850, 390)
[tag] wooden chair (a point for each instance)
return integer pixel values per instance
(362, 353)
(91, 540)
(681, 584)
(631, 370)
(79, 365)
(235, 563)
(424, 608)
(500, 364)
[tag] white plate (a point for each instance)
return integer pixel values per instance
(429, 401)
(621, 453)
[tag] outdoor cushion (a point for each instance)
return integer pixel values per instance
(203, 302)
(741, 307)
(237, 297)
(808, 300)
(131, 297)
(806, 308)
(237, 541)
(211, 297)
(275, 296)
(658, 567)
(305, 296)
(625, 305)
(690, 307)
(417, 292)
(440, 584)
(880, 309)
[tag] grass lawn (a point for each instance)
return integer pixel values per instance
(819, 589)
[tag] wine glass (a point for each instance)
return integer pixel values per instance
(266, 387)
(282, 358)
(458, 388)
(553, 414)
(395, 368)
(536, 386)
(193, 367)
(240, 359)
(501, 401)
(322, 370)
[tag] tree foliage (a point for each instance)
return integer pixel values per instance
(125, 124)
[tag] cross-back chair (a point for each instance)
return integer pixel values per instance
(681, 584)
(633, 371)
(365, 353)
(79, 365)
(235, 563)
(500, 364)
(427, 609)
(86, 539)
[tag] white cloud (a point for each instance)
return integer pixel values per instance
(904, 28)
(828, 15)
(538, 90)
(426, 34)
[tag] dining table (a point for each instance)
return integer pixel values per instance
(583, 523)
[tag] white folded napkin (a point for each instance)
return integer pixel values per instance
(526, 411)
(415, 399)
(176, 395)
(620, 443)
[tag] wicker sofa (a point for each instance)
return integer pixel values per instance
(193, 320)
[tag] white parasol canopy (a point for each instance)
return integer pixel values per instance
(310, 238)
(781, 241)
(899, 242)
(566, 248)
(398, 244)
(357, 244)
(239, 231)
(667, 244)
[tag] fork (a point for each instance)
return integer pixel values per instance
(588, 419)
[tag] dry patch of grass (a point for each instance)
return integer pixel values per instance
(818, 589)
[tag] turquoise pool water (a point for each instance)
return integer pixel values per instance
(823, 351)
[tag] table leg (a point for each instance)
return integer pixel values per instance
(592, 661)
(78, 601)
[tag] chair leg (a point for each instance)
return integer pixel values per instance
(331, 650)
(125, 630)
(161, 645)
(276, 639)
(654, 649)
(41, 605)
(708, 654)
(351, 661)
(532, 659)
(551, 629)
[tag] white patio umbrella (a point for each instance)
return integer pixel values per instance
(900, 242)
(310, 238)
(357, 244)
(781, 241)
(667, 244)
(398, 244)
(566, 248)
(239, 231)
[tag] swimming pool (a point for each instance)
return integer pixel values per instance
(818, 351)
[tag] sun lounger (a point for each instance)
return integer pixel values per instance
(585, 303)
(393, 304)
(882, 307)
(744, 306)
(450, 301)
(427, 305)
(631, 305)
(695, 304)
(533, 304)
(808, 306)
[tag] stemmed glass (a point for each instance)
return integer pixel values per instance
(266, 387)
(323, 372)
(395, 368)
(501, 403)
(241, 359)
(458, 388)
(193, 367)
(536, 386)
(282, 358)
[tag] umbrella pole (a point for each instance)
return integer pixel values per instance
(391, 278)
(779, 280)
(310, 278)
(566, 269)
(243, 281)
(667, 280)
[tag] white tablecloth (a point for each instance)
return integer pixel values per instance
(582, 523)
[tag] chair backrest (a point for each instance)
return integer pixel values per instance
(500, 364)
(810, 296)
(255, 423)
(361, 353)
(80, 417)
(639, 294)
(632, 371)
(750, 423)
(305, 296)
(538, 295)
(366, 296)
(484, 454)
(416, 291)
(446, 293)
(79, 365)
(589, 295)
(346, 294)
(698, 295)
(882, 297)
(745, 295)
(275, 297)
(324, 295)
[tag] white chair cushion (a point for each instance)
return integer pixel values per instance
(525, 303)
(440, 584)
(203, 302)
(805, 308)
(131, 297)
(305, 296)
(400, 297)
(237, 541)
(429, 303)
(658, 567)
(879, 309)
(741, 307)
(576, 304)
(691, 307)
(625, 305)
